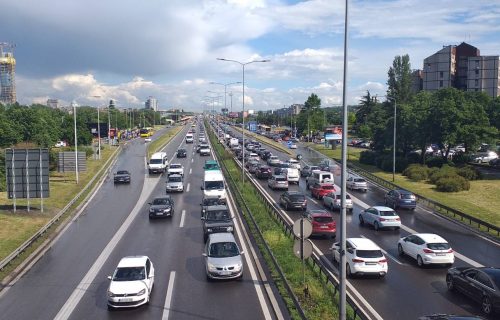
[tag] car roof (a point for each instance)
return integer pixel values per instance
(319, 212)
(132, 261)
(382, 208)
(402, 191)
(326, 184)
(176, 164)
(295, 193)
(217, 207)
(363, 244)
(430, 237)
(221, 237)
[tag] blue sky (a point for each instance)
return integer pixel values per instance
(74, 50)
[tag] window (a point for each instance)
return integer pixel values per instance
(440, 83)
(148, 267)
(441, 74)
(477, 71)
(483, 279)
(476, 82)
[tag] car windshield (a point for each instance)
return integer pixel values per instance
(161, 202)
(129, 274)
(175, 166)
(155, 161)
(122, 172)
(214, 185)
(223, 250)
(210, 201)
(369, 253)
(438, 246)
(218, 215)
(323, 219)
(181, 151)
(388, 213)
(175, 179)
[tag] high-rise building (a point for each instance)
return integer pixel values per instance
(484, 75)
(151, 104)
(53, 103)
(7, 74)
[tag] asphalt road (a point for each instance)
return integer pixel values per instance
(407, 291)
(70, 280)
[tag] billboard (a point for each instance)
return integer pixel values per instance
(233, 115)
(27, 173)
(252, 126)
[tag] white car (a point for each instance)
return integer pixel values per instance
(426, 248)
(485, 156)
(293, 146)
(292, 163)
(363, 257)
(131, 283)
(60, 144)
(380, 217)
(333, 201)
(176, 168)
(273, 161)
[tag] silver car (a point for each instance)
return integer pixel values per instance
(380, 217)
(223, 257)
(175, 183)
(356, 183)
(333, 201)
(278, 182)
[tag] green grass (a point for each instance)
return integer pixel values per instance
(318, 304)
(481, 201)
(157, 144)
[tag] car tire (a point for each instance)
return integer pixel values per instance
(449, 283)
(420, 262)
(486, 306)
(376, 226)
(286, 206)
(361, 220)
(400, 250)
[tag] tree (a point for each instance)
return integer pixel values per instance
(313, 102)
(366, 105)
(400, 81)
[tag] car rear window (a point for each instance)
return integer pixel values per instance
(438, 246)
(297, 197)
(327, 187)
(388, 213)
(323, 219)
(369, 253)
(359, 180)
(280, 179)
(407, 196)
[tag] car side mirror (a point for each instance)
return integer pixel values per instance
(109, 277)
(204, 254)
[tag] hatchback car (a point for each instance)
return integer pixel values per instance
(161, 207)
(426, 248)
(319, 190)
(131, 283)
(263, 172)
(482, 285)
(357, 183)
(277, 182)
(400, 199)
(175, 183)
(363, 257)
(216, 219)
(181, 153)
(211, 201)
(223, 257)
(380, 217)
(333, 201)
(322, 223)
(273, 161)
(204, 151)
(293, 200)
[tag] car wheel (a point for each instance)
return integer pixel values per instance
(361, 220)
(420, 262)
(449, 283)
(400, 250)
(486, 305)
(376, 226)
(286, 206)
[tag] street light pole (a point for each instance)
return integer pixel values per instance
(225, 89)
(73, 104)
(243, 111)
(394, 140)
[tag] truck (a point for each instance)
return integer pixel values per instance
(213, 184)
(158, 163)
(233, 142)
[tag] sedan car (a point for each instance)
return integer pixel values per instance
(277, 182)
(175, 168)
(204, 151)
(263, 172)
(426, 248)
(181, 153)
(482, 285)
(216, 219)
(293, 200)
(319, 190)
(161, 207)
(322, 223)
(356, 183)
(131, 283)
(273, 161)
(363, 257)
(121, 176)
(399, 198)
(333, 201)
(223, 257)
(175, 183)
(293, 146)
(380, 217)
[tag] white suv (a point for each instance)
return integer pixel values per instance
(131, 283)
(363, 257)
(426, 248)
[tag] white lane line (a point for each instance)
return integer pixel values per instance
(385, 252)
(188, 187)
(183, 214)
(192, 159)
(190, 170)
(313, 200)
(168, 299)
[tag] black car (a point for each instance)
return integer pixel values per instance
(181, 153)
(263, 172)
(161, 207)
(265, 155)
(479, 284)
(293, 200)
(122, 176)
(216, 219)
(211, 201)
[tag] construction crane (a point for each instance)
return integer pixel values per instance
(7, 73)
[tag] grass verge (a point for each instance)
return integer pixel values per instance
(318, 304)
(155, 145)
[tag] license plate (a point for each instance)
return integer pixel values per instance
(370, 263)
(440, 254)
(323, 227)
(225, 273)
(125, 299)
(159, 213)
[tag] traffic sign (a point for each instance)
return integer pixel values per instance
(308, 248)
(306, 228)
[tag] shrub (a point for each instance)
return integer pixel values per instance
(3, 186)
(452, 183)
(367, 157)
(444, 171)
(416, 172)
(385, 163)
(469, 173)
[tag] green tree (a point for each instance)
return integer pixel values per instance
(400, 81)
(366, 105)
(313, 102)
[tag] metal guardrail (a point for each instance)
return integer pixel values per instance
(437, 207)
(56, 218)
(313, 262)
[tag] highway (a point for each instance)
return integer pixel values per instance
(407, 291)
(70, 280)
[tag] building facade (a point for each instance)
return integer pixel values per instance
(483, 75)
(53, 103)
(7, 74)
(151, 104)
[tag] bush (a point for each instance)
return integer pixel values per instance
(452, 183)
(469, 173)
(3, 186)
(445, 171)
(416, 172)
(367, 157)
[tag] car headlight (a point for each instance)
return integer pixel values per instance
(151, 210)
(140, 293)
(229, 229)
(209, 230)
(166, 210)
(111, 294)
(211, 267)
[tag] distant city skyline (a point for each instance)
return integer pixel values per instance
(83, 49)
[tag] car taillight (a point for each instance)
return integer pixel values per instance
(450, 251)
(305, 202)
(382, 261)
(357, 260)
(397, 219)
(382, 219)
(428, 250)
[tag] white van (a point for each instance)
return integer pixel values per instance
(293, 175)
(189, 138)
(318, 176)
(158, 163)
(213, 184)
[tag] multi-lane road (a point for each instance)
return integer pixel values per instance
(407, 291)
(69, 281)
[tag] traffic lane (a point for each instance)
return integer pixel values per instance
(76, 248)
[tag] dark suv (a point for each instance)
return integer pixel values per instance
(399, 198)
(293, 200)
(217, 219)
(263, 172)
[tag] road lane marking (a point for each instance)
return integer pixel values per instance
(188, 187)
(192, 160)
(190, 170)
(385, 252)
(313, 200)
(183, 214)
(168, 299)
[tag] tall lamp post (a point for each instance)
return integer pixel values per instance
(243, 111)
(73, 104)
(98, 132)
(225, 89)
(394, 139)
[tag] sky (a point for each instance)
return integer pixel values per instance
(91, 51)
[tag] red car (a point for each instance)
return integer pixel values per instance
(322, 223)
(319, 190)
